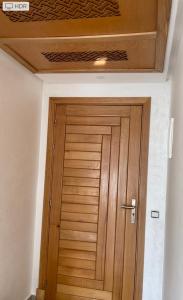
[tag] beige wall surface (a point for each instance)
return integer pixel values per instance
(20, 113)
(173, 270)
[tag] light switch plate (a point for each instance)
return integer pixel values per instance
(155, 214)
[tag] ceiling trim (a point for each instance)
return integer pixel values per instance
(164, 8)
(138, 35)
(18, 58)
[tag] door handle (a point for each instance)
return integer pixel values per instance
(133, 208)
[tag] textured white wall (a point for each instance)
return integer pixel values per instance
(156, 196)
(173, 285)
(20, 114)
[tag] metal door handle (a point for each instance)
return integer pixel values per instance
(133, 208)
(127, 207)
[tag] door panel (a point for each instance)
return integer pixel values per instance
(92, 243)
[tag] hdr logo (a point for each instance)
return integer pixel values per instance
(15, 6)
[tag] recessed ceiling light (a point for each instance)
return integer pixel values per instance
(100, 61)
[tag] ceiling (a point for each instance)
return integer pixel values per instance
(58, 36)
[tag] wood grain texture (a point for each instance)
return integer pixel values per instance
(112, 203)
(83, 138)
(83, 147)
(77, 263)
(139, 19)
(142, 200)
(82, 155)
(61, 296)
(83, 173)
(78, 217)
(77, 245)
(162, 33)
(93, 200)
(85, 164)
(77, 181)
(81, 282)
(88, 129)
(40, 294)
(92, 110)
(65, 11)
(77, 254)
(121, 214)
(101, 101)
(18, 57)
(78, 190)
(69, 207)
(56, 203)
(84, 292)
(102, 222)
(47, 195)
(78, 236)
(33, 52)
(76, 272)
(113, 121)
(132, 193)
(88, 227)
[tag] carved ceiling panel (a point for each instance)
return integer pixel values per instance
(49, 10)
(115, 55)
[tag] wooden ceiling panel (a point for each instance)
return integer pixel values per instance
(118, 16)
(134, 53)
(88, 35)
(46, 10)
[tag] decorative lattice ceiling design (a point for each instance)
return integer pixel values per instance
(89, 56)
(49, 10)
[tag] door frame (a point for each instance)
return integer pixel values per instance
(145, 103)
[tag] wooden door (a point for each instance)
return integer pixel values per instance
(92, 247)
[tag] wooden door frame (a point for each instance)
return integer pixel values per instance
(145, 103)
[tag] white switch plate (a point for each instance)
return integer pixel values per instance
(155, 214)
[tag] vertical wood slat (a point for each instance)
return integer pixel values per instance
(56, 203)
(142, 201)
(100, 261)
(120, 216)
(40, 294)
(110, 243)
(132, 192)
(47, 193)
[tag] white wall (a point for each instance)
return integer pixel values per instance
(20, 113)
(173, 285)
(156, 197)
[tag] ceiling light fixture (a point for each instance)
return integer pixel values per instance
(100, 61)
